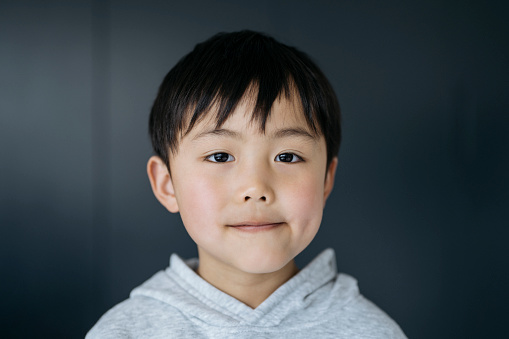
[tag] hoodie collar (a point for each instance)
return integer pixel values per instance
(180, 286)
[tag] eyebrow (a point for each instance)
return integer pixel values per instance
(292, 132)
(219, 132)
(278, 134)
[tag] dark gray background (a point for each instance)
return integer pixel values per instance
(419, 214)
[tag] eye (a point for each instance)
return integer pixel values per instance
(220, 157)
(288, 157)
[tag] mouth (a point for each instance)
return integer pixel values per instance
(252, 226)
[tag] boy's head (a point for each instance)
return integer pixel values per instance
(249, 130)
(221, 71)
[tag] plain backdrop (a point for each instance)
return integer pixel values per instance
(419, 213)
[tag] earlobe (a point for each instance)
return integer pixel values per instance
(161, 183)
(329, 178)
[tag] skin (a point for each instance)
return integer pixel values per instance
(251, 201)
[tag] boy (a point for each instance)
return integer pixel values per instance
(246, 133)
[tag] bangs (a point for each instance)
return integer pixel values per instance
(260, 99)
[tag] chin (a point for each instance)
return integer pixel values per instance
(260, 263)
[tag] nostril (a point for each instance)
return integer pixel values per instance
(262, 198)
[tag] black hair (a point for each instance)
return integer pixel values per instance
(220, 70)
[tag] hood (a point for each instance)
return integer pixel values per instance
(307, 296)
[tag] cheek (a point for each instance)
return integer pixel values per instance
(200, 204)
(306, 203)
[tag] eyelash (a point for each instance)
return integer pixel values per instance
(213, 156)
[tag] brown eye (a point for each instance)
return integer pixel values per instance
(288, 157)
(220, 157)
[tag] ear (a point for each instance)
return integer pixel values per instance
(161, 183)
(329, 178)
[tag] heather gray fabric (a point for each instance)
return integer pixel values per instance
(316, 303)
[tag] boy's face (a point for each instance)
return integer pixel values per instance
(250, 201)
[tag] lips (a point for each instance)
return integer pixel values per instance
(256, 225)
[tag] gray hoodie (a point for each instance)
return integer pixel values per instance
(316, 303)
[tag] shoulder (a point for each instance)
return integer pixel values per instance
(361, 317)
(371, 321)
(137, 316)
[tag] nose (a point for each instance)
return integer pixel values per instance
(255, 185)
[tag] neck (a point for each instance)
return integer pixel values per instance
(249, 288)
